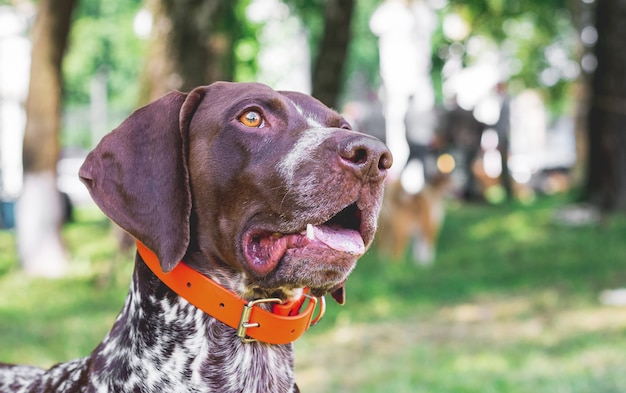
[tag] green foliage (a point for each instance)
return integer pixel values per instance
(246, 46)
(363, 50)
(509, 306)
(312, 14)
(524, 30)
(102, 40)
(362, 59)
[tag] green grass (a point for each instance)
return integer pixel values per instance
(511, 305)
(45, 321)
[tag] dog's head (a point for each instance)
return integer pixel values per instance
(271, 185)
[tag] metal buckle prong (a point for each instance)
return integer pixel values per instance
(244, 322)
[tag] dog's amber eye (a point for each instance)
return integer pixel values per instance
(251, 119)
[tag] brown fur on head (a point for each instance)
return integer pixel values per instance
(285, 203)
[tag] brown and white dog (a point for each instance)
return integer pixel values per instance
(412, 218)
(256, 192)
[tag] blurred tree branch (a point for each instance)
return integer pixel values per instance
(328, 73)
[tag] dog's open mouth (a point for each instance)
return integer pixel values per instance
(339, 235)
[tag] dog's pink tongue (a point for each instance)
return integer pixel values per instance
(339, 239)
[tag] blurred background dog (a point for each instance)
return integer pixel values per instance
(412, 218)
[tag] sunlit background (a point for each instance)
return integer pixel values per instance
(484, 104)
(460, 53)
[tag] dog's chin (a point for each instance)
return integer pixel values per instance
(322, 271)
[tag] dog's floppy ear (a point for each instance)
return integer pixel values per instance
(138, 176)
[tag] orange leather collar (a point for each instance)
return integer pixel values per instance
(284, 324)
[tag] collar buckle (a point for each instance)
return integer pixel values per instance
(244, 322)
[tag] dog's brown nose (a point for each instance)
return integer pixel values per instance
(365, 155)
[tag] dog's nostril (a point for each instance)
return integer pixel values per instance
(358, 156)
(385, 161)
(365, 155)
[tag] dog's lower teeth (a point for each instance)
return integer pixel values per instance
(277, 235)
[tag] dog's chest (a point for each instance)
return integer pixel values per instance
(166, 344)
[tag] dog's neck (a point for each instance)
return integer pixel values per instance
(160, 342)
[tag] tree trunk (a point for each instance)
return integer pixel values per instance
(606, 174)
(192, 45)
(333, 49)
(39, 208)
